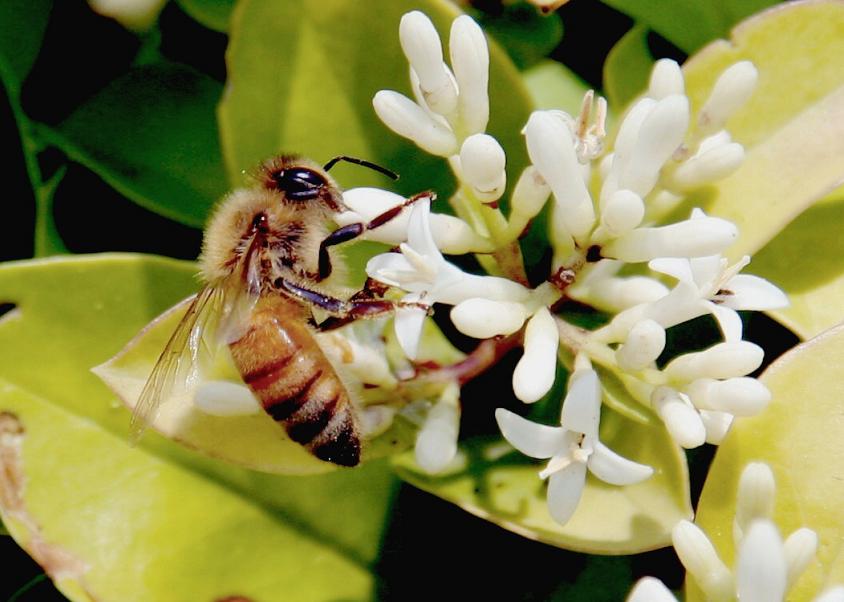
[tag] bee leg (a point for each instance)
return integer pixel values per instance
(351, 231)
(343, 312)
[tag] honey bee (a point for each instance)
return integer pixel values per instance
(266, 263)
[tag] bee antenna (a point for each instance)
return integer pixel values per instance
(390, 174)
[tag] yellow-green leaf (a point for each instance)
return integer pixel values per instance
(792, 127)
(553, 86)
(801, 437)
(807, 261)
(158, 522)
(500, 485)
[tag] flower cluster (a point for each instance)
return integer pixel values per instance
(766, 566)
(607, 211)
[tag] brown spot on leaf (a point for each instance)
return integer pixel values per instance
(56, 562)
(234, 599)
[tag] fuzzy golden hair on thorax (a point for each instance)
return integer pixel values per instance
(290, 242)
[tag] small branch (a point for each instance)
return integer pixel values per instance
(488, 353)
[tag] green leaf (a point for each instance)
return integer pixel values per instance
(800, 436)
(554, 86)
(302, 77)
(496, 483)
(627, 68)
(689, 24)
(806, 260)
(150, 523)
(214, 14)
(25, 23)
(152, 135)
(793, 126)
(526, 35)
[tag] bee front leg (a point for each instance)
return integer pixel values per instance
(352, 231)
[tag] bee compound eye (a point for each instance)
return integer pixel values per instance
(299, 183)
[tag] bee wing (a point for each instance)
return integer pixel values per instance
(180, 356)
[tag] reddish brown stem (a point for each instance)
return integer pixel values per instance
(485, 355)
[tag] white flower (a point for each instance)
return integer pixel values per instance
(572, 447)
(421, 270)
(720, 287)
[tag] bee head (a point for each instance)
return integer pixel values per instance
(300, 182)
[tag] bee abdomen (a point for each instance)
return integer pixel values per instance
(297, 387)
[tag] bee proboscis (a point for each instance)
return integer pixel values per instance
(265, 263)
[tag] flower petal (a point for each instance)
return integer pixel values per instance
(532, 439)
(582, 405)
(728, 321)
(676, 267)
(408, 325)
(565, 487)
(614, 469)
(761, 569)
(753, 292)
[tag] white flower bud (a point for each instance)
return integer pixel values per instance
(741, 396)
(550, 145)
(625, 142)
(724, 360)
(710, 166)
(421, 45)
(482, 163)
(138, 15)
(482, 318)
(661, 134)
(700, 559)
(530, 194)
(436, 442)
(376, 419)
(690, 238)
(754, 498)
(408, 119)
(800, 549)
(617, 294)
(731, 91)
(666, 79)
(535, 372)
(644, 344)
(761, 568)
(470, 61)
(622, 212)
(680, 417)
(717, 425)
(650, 589)
(224, 398)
